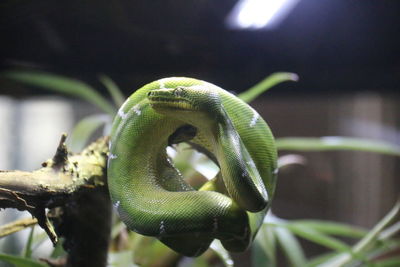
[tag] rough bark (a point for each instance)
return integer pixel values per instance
(71, 190)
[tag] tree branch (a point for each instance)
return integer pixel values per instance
(74, 188)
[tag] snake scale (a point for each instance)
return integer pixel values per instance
(150, 194)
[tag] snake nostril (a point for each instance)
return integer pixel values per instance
(149, 93)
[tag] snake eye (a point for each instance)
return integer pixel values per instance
(179, 91)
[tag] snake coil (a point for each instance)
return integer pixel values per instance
(150, 194)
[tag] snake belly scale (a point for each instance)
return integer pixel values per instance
(150, 194)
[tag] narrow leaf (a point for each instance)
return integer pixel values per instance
(378, 228)
(290, 246)
(290, 159)
(393, 262)
(84, 129)
(113, 89)
(266, 84)
(28, 246)
(58, 250)
(337, 143)
(264, 248)
(259, 258)
(62, 84)
(20, 261)
(317, 237)
(318, 260)
(332, 228)
(368, 239)
(390, 231)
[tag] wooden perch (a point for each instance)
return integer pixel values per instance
(73, 187)
(59, 177)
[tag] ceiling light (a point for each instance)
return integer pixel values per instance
(257, 14)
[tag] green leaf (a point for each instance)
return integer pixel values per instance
(317, 237)
(62, 84)
(382, 249)
(20, 261)
(84, 129)
(290, 159)
(367, 241)
(390, 231)
(332, 228)
(337, 143)
(393, 262)
(149, 251)
(264, 248)
(113, 89)
(269, 82)
(58, 250)
(318, 260)
(378, 228)
(290, 246)
(28, 246)
(217, 247)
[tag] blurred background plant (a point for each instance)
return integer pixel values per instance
(278, 241)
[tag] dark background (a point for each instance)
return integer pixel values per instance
(333, 45)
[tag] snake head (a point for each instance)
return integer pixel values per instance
(171, 98)
(183, 102)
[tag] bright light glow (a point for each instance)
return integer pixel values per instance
(256, 14)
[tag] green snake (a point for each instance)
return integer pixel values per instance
(149, 193)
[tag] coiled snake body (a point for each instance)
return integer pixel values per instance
(150, 195)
